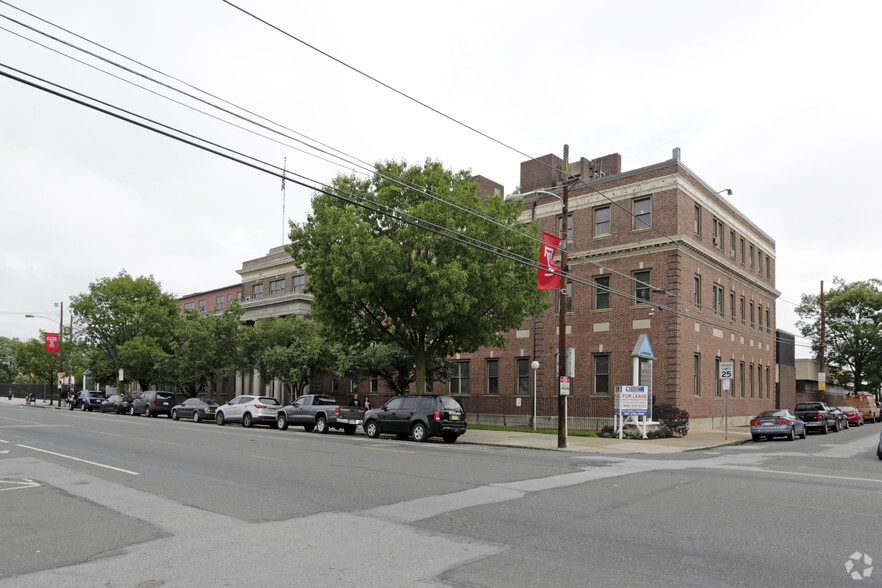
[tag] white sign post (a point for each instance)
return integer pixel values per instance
(727, 374)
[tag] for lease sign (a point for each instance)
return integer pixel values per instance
(634, 401)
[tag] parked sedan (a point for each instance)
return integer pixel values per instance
(841, 417)
(879, 447)
(117, 403)
(249, 410)
(853, 414)
(777, 423)
(197, 409)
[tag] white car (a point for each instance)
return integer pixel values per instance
(248, 410)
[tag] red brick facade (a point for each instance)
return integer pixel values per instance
(687, 332)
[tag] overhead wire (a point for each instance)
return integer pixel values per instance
(571, 277)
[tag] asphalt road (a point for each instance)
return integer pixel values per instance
(89, 499)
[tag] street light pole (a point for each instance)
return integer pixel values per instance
(535, 366)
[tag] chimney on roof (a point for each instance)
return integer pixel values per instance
(677, 153)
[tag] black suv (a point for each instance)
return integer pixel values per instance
(87, 400)
(152, 403)
(420, 417)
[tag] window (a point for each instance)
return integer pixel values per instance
(750, 378)
(202, 305)
(768, 384)
(741, 377)
(492, 376)
(697, 220)
(601, 292)
(257, 291)
(523, 367)
(759, 262)
(569, 227)
(732, 306)
(741, 309)
(601, 221)
(718, 300)
(375, 385)
(732, 244)
(642, 213)
(741, 250)
(696, 292)
(768, 267)
(759, 381)
(717, 391)
(750, 259)
(298, 284)
(189, 306)
(641, 287)
(696, 374)
(759, 316)
(277, 287)
(752, 324)
(768, 322)
(718, 234)
(219, 302)
(459, 378)
(569, 298)
(601, 374)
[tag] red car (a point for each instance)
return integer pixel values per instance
(855, 416)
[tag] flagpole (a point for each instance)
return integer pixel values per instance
(284, 169)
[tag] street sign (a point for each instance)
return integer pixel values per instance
(564, 386)
(727, 370)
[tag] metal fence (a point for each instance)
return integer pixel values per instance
(43, 391)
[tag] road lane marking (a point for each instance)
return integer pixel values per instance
(26, 483)
(186, 445)
(94, 463)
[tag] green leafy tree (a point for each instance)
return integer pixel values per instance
(391, 364)
(8, 367)
(853, 318)
(293, 349)
(33, 359)
(128, 323)
(205, 349)
(377, 279)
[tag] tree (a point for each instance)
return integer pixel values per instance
(128, 322)
(205, 349)
(32, 358)
(853, 317)
(390, 363)
(8, 367)
(377, 279)
(292, 349)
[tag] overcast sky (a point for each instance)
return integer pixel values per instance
(778, 101)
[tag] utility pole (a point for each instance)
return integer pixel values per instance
(60, 352)
(823, 343)
(562, 327)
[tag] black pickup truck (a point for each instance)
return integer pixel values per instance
(319, 412)
(817, 416)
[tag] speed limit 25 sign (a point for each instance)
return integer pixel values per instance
(727, 369)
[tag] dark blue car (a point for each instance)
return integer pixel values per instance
(87, 400)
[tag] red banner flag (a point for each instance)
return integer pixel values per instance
(52, 342)
(548, 278)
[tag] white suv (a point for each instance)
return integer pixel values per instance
(248, 410)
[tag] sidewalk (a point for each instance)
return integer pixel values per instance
(593, 445)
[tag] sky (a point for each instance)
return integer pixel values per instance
(776, 100)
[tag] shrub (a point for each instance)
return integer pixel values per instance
(672, 418)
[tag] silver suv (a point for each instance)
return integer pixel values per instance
(248, 410)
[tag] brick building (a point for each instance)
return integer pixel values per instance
(653, 252)
(211, 300)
